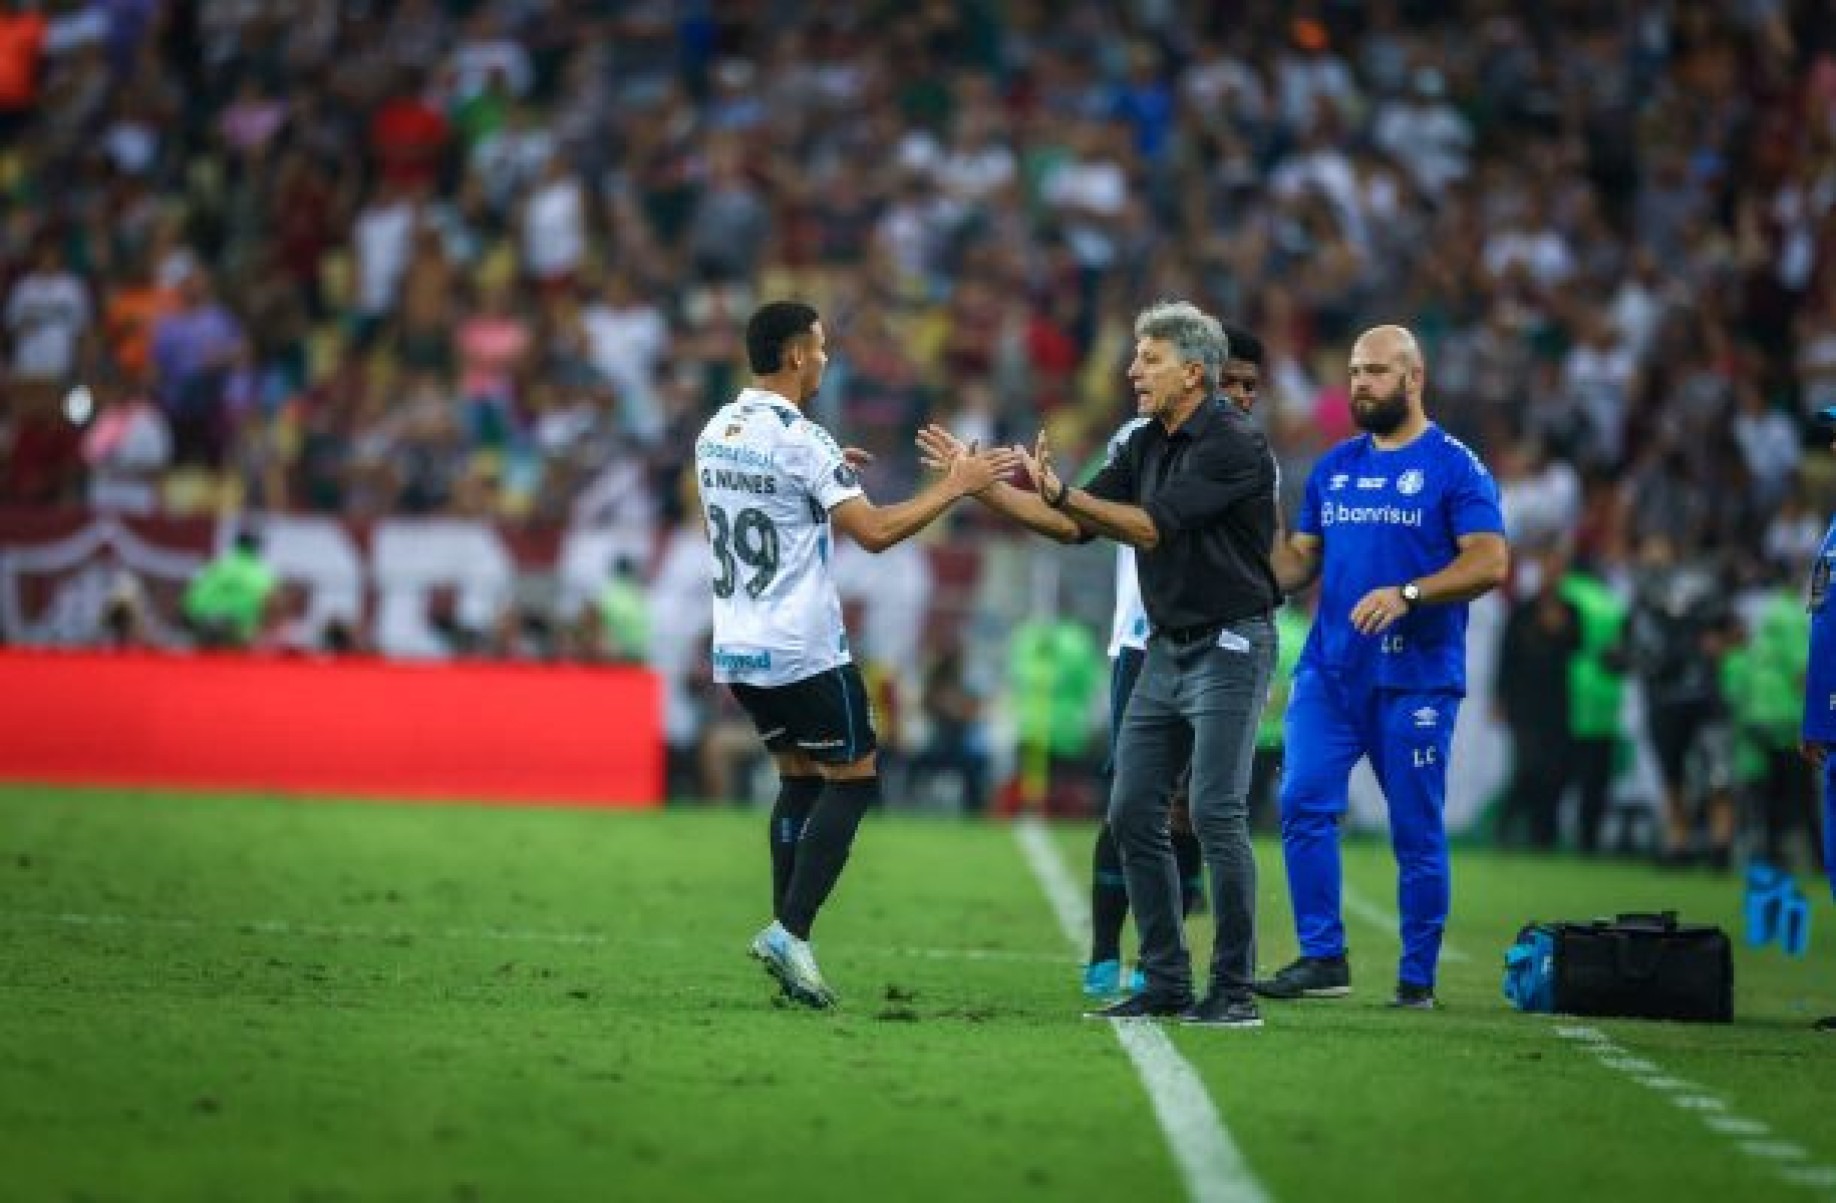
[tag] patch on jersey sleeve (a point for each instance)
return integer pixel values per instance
(847, 477)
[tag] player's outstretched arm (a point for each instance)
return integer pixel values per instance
(1116, 520)
(877, 528)
(938, 449)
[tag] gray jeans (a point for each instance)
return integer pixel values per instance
(1201, 700)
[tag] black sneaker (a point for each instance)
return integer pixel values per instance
(1826, 1024)
(1309, 977)
(1222, 1011)
(1410, 997)
(1142, 1006)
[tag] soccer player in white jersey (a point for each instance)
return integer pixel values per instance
(1240, 381)
(772, 483)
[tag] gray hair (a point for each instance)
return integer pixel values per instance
(1196, 336)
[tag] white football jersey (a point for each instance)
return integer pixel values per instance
(1129, 627)
(768, 477)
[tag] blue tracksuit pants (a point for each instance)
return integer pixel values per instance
(1407, 738)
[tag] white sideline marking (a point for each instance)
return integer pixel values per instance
(1786, 1159)
(1377, 916)
(1630, 1065)
(469, 935)
(1209, 1161)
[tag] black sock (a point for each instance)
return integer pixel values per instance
(1191, 870)
(823, 851)
(1108, 898)
(796, 796)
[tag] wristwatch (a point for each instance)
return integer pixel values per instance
(1412, 593)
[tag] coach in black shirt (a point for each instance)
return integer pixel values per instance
(1207, 488)
(1193, 491)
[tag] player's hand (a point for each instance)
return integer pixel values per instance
(856, 458)
(972, 472)
(938, 448)
(1815, 751)
(1378, 610)
(1038, 465)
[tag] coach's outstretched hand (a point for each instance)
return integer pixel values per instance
(1038, 464)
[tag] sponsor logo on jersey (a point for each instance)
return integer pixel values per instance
(1427, 716)
(749, 456)
(1410, 483)
(1336, 512)
(742, 662)
(1338, 480)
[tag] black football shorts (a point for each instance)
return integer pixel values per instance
(826, 717)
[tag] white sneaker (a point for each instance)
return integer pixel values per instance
(793, 963)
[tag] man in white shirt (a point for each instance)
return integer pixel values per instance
(772, 482)
(627, 338)
(47, 317)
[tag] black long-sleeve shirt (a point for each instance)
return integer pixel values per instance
(1210, 489)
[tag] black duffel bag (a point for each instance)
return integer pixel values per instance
(1641, 966)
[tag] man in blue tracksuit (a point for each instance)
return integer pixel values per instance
(1820, 686)
(1403, 524)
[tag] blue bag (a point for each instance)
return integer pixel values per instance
(1529, 976)
(1640, 965)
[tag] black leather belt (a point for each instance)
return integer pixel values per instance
(1187, 636)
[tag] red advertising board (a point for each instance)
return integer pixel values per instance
(510, 733)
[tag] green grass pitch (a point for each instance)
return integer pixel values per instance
(217, 998)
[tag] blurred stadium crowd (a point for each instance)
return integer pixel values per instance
(488, 258)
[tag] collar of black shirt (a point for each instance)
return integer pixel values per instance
(1203, 420)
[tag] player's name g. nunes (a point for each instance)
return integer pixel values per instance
(759, 484)
(1333, 512)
